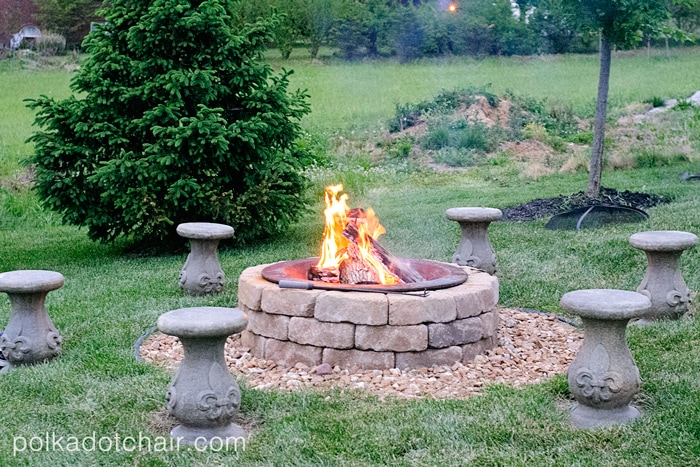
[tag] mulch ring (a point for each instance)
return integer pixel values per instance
(544, 207)
(532, 347)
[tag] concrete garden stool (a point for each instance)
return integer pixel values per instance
(203, 396)
(603, 377)
(663, 282)
(474, 248)
(30, 337)
(202, 273)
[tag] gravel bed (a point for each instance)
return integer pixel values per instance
(532, 348)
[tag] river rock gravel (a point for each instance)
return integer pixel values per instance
(532, 347)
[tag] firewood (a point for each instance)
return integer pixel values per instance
(322, 274)
(391, 263)
(355, 270)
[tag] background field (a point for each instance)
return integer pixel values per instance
(363, 95)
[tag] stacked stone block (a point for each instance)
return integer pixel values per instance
(358, 330)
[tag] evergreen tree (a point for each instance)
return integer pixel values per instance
(174, 119)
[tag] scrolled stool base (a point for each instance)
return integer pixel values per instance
(203, 395)
(603, 378)
(475, 249)
(202, 273)
(583, 416)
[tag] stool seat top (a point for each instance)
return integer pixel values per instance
(205, 321)
(609, 304)
(474, 214)
(663, 240)
(204, 230)
(30, 281)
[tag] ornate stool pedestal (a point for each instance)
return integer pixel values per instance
(30, 337)
(663, 282)
(203, 396)
(474, 248)
(202, 273)
(603, 377)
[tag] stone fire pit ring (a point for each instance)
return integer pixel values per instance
(369, 330)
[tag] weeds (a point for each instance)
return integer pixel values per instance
(655, 101)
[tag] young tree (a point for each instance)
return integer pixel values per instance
(291, 23)
(378, 24)
(409, 35)
(557, 33)
(512, 35)
(174, 119)
(620, 23)
(320, 16)
(245, 12)
(350, 29)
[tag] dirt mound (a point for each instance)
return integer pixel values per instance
(482, 111)
(478, 111)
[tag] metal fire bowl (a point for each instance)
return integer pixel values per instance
(437, 275)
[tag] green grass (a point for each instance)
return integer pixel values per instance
(362, 96)
(17, 119)
(114, 293)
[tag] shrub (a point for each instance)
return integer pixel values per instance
(405, 116)
(584, 137)
(177, 120)
(401, 149)
(649, 158)
(50, 45)
(534, 131)
(455, 157)
(682, 105)
(438, 136)
(558, 119)
(475, 136)
(655, 101)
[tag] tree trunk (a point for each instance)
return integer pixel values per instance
(648, 45)
(315, 45)
(596, 168)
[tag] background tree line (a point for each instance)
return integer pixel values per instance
(409, 29)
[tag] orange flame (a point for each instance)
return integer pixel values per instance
(333, 248)
(336, 220)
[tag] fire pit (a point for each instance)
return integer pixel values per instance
(358, 306)
(373, 329)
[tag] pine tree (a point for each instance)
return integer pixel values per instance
(174, 118)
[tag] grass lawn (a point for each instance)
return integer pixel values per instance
(113, 293)
(361, 96)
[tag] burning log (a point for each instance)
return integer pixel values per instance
(392, 264)
(355, 270)
(322, 274)
(350, 253)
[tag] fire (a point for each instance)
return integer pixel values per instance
(336, 248)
